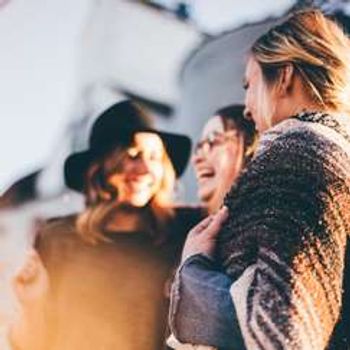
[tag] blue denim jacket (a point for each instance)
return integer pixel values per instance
(201, 310)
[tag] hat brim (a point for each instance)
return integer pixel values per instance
(75, 167)
(177, 146)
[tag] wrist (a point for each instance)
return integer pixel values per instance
(198, 258)
(187, 253)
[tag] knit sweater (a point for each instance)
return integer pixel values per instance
(289, 215)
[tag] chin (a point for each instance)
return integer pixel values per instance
(205, 198)
(205, 193)
(140, 201)
(138, 204)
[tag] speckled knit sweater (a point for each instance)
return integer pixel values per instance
(288, 222)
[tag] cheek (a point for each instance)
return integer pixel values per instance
(249, 98)
(116, 180)
(230, 164)
(225, 160)
(261, 100)
(126, 167)
(157, 171)
(220, 162)
(266, 106)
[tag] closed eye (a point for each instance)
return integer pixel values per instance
(157, 156)
(133, 153)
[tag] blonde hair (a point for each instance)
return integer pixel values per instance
(102, 197)
(319, 51)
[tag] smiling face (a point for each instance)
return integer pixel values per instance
(260, 102)
(217, 161)
(141, 171)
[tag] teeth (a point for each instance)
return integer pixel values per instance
(205, 174)
(140, 184)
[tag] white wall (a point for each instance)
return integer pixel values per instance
(38, 50)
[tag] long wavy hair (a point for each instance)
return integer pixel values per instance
(102, 198)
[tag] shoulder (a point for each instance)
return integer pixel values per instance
(290, 132)
(56, 228)
(295, 156)
(302, 143)
(57, 235)
(58, 223)
(311, 131)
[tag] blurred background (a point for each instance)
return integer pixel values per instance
(62, 62)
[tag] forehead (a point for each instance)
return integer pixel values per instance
(253, 69)
(148, 140)
(214, 124)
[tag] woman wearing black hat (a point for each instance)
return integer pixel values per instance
(109, 265)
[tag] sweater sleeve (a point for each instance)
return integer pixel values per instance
(201, 310)
(283, 243)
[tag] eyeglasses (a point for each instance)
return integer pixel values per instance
(213, 140)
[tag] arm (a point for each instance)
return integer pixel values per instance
(201, 307)
(201, 310)
(283, 245)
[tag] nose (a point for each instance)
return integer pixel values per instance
(198, 156)
(247, 114)
(141, 166)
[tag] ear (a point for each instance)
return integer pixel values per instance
(286, 80)
(31, 281)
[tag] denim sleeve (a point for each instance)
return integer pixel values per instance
(201, 310)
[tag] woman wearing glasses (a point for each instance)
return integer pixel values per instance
(226, 146)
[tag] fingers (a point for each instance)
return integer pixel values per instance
(222, 214)
(202, 238)
(211, 224)
(202, 225)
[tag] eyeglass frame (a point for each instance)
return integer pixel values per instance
(214, 139)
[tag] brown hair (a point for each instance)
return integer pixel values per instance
(233, 118)
(102, 198)
(319, 51)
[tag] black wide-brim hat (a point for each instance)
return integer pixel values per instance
(117, 126)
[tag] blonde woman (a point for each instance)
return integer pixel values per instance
(282, 241)
(108, 266)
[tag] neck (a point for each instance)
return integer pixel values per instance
(127, 219)
(296, 100)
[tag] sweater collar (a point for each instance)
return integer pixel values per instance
(325, 119)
